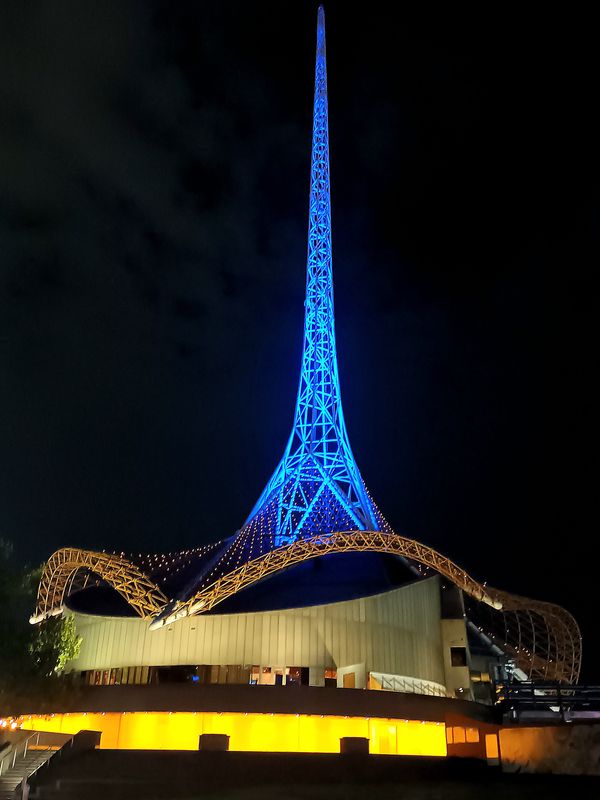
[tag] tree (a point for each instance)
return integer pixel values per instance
(15, 605)
(54, 643)
(29, 652)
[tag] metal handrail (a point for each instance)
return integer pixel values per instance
(15, 750)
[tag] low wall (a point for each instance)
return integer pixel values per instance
(291, 733)
(257, 699)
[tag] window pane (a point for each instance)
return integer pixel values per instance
(458, 656)
(459, 735)
(491, 745)
(472, 735)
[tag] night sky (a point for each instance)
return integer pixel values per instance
(154, 163)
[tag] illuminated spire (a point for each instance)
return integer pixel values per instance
(317, 487)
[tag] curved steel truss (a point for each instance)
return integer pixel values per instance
(128, 580)
(543, 638)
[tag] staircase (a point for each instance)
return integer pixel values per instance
(24, 764)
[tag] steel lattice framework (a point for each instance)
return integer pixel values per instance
(543, 638)
(129, 581)
(316, 503)
(317, 486)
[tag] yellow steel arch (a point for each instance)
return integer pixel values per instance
(543, 638)
(128, 580)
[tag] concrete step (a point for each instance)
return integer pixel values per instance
(26, 765)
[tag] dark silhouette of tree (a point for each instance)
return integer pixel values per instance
(28, 652)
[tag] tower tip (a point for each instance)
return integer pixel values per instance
(321, 32)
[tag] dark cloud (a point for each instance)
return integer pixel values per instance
(154, 160)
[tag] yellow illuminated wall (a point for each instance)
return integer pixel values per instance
(290, 733)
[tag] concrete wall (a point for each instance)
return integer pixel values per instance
(396, 632)
(454, 634)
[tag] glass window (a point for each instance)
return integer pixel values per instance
(458, 656)
(491, 745)
(472, 735)
(459, 735)
(293, 676)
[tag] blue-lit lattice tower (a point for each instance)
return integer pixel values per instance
(316, 487)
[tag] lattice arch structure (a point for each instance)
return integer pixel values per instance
(126, 578)
(543, 638)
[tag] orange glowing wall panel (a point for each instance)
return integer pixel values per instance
(491, 745)
(291, 733)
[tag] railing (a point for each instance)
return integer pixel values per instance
(13, 752)
(549, 699)
(50, 742)
(61, 744)
(408, 685)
